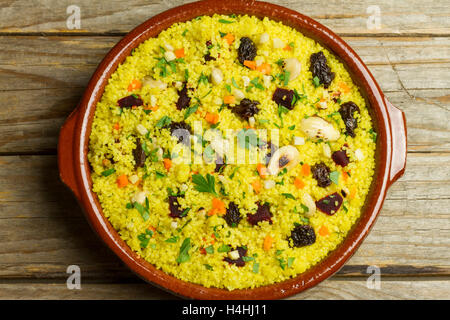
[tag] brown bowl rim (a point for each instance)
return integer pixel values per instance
(73, 159)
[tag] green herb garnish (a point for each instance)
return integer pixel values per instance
(224, 248)
(204, 184)
(190, 111)
(208, 267)
(334, 176)
(108, 172)
(172, 240)
(210, 249)
(290, 261)
(225, 21)
(316, 81)
(183, 256)
(164, 121)
(144, 238)
(288, 196)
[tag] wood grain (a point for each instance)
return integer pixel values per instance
(413, 17)
(42, 229)
(330, 289)
(42, 79)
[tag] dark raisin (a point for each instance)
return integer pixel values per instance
(183, 98)
(130, 101)
(344, 193)
(246, 108)
(262, 214)
(139, 154)
(238, 262)
(330, 204)
(347, 109)
(247, 50)
(175, 209)
(208, 57)
(322, 174)
(181, 130)
(233, 215)
(340, 158)
(302, 235)
(284, 97)
(320, 69)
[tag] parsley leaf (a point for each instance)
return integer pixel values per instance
(190, 111)
(183, 256)
(316, 81)
(288, 196)
(144, 238)
(108, 172)
(164, 121)
(204, 184)
(224, 248)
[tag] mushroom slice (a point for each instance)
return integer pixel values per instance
(285, 157)
(293, 66)
(318, 128)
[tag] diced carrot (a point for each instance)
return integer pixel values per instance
(257, 185)
(116, 126)
(229, 99)
(179, 53)
(122, 181)
(218, 207)
(345, 88)
(167, 163)
(135, 85)
(229, 38)
(250, 64)
(298, 183)
(353, 193)
(262, 170)
(323, 231)
(212, 118)
(264, 68)
(203, 251)
(268, 240)
(306, 169)
(287, 48)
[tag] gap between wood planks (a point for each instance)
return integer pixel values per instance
(121, 34)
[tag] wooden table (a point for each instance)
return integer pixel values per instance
(44, 68)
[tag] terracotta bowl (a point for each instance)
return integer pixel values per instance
(390, 156)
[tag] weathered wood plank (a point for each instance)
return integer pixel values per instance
(42, 229)
(343, 17)
(330, 289)
(42, 79)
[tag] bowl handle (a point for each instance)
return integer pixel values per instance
(399, 142)
(66, 152)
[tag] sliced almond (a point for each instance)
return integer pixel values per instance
(310, 203)
(285, 157)
(293, 66)
(318, 128)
